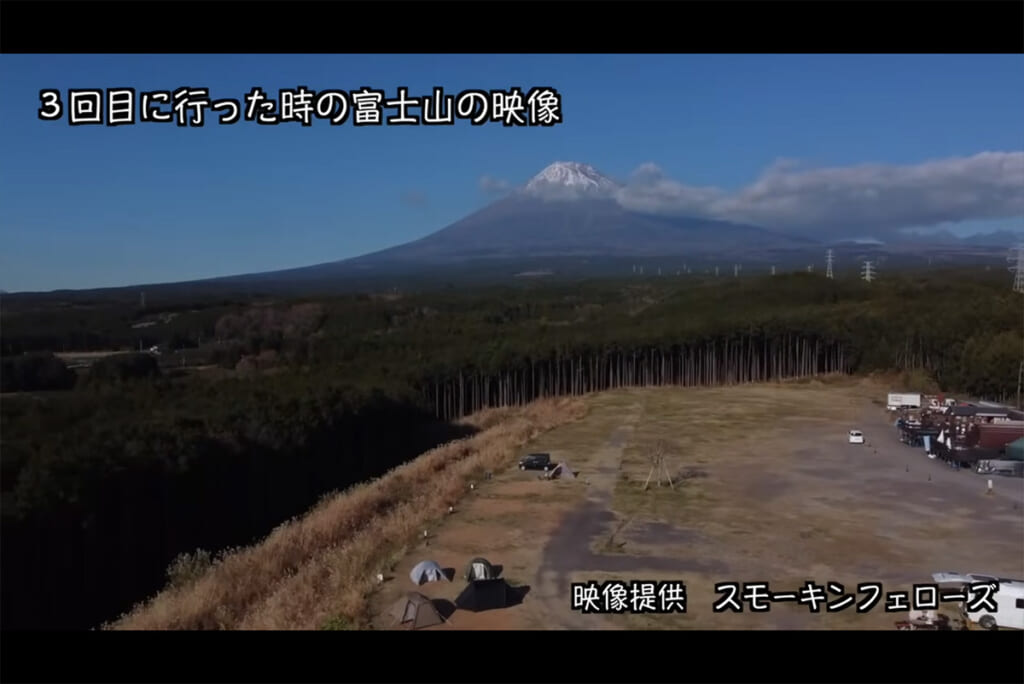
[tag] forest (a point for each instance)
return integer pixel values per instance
(256, 407)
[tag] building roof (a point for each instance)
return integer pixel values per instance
(978, 411)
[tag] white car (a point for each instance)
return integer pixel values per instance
(856, 437)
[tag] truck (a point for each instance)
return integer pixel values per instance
(898, 400)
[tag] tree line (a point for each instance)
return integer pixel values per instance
(108, 478)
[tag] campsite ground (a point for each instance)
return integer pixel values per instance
(766, 488)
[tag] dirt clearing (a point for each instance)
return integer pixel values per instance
(766, 489)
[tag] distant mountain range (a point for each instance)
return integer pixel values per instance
(569, 210)
(568, 214)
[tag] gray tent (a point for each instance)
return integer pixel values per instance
(480, 569)
(416, 611)
(562, 470)
(427, 571)
(1015, 450)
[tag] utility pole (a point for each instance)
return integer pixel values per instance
(828, 264)
(868, 274)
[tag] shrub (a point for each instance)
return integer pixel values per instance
(188, 567)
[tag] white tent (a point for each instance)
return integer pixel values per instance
(427, 571)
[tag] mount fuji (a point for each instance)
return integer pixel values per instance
(569, 209)
(567, 219)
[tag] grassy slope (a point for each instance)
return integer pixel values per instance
(317, 571)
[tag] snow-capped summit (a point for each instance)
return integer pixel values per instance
(565, 179)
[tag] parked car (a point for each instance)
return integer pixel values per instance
(856, 437)
(536, 462)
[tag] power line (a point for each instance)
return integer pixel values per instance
(868, 273)
(828, 264)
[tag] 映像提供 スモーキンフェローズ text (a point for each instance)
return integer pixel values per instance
(194, 107)
(662, 597)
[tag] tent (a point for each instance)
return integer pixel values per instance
(562, 470)
(427, 571)
(1015, 450)
(480, 569)
(479, 595)
(417, 611)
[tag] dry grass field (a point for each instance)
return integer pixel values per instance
(319, 570)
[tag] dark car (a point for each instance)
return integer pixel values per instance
(536, 462)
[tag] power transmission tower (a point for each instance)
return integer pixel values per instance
(868, 274)
(828, 264)
(773, 270)
(1017, 268)
(736, 271)
(659, 271)
(716, 271)
(1016, 260)
(810, 268)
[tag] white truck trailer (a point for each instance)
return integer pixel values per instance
(1008, 597)
(898, 400)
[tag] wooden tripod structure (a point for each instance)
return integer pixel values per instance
(657, 459)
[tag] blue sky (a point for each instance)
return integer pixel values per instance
(96, 206)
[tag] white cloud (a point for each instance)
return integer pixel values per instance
(415, 199)
(847, 200)
(491, 185)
